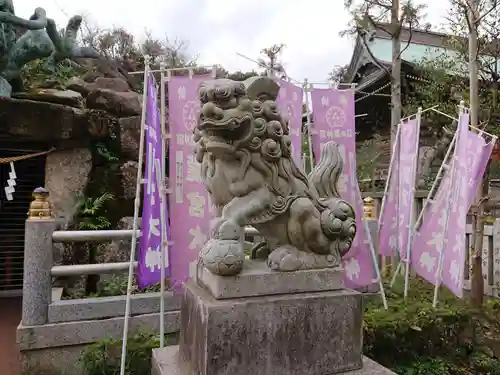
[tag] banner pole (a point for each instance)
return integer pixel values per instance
(164, 261)
(397, 256)
(412, 208)
(389, 175)
(369, 235)
(375, 263)
(307, 89)
(137, 203)
(434, 184)
(162, 189)
(369, 239)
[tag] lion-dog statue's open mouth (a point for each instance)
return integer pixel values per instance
(226, 116)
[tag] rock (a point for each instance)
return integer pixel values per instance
(129, 179)
(101, 123)
(79, 85)
(121, 104)
(130, 134)
(5, 87)
(106, 68)
(115, 84)
(90, 77)
(67, 173)
(66, 97)
(43, 121)
(118, 250)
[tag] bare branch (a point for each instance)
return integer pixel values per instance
(372, 3)
(376, 24)
(410, 31)
(485, 14)
(374, 59)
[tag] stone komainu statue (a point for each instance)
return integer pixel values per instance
(244, 148)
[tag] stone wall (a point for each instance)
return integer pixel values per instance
(94, 127)
(67, 173)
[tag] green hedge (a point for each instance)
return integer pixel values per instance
(413, 338)
(103, 357)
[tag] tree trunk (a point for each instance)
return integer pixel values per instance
(477, 282)
(395, 71)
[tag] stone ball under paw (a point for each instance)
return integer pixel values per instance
(223, 258)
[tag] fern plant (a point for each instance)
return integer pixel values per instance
(103, 151)
(91, 212)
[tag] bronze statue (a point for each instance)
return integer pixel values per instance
(41, 40)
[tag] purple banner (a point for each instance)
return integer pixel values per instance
(334, 121)
(289, 102)
(388, 233)
(396, 218)
(410, 132)
(152, 226)
(478, 155)
(454, 250)
(442, 233)
(190, 207)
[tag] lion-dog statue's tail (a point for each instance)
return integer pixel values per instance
(337, 217)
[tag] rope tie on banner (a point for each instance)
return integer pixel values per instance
(12, 159)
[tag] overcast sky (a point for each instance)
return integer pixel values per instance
(217, 29)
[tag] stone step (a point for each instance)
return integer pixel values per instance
(166, 361)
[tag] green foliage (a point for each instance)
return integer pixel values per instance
(117, 286)
(444, 82)
(91, 212)
(413, 338)
(105, 153)
(37, 370)
(103, 357)
(368, 156)
(36, 74)
(431, 366)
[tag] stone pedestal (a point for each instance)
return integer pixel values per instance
(256, 279)
(277, 332)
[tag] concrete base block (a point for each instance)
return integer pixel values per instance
(257, 279)
(90, 331)
(303, 333)
(167, 361)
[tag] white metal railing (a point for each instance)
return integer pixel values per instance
(39, 268)
(89, 269)
(97, 236)
(108, 235)
(92, 235)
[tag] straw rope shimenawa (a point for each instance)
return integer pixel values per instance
(24, 157)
